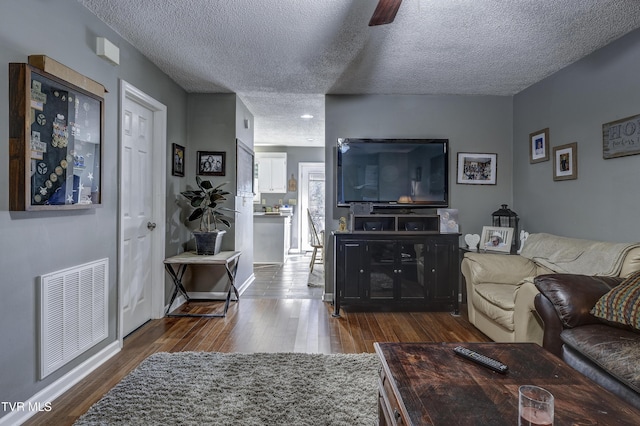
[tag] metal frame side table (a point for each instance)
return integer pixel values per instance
(177, 265)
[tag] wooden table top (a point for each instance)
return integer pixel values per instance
(191, 258)
(438, 387)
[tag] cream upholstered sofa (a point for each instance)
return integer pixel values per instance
(500, 290)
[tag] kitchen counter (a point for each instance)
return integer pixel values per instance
(271, 237)
(276, 214)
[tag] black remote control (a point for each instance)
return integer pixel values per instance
(490, 363)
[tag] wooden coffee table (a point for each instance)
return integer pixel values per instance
(427, 384)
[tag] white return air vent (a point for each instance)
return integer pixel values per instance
(73, 313)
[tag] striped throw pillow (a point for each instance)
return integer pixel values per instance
(622, 303)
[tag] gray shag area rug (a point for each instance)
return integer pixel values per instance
(210, 388)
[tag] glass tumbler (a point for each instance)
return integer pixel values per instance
(535, 406)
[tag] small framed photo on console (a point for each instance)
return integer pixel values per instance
(448, 220)
(496, 238)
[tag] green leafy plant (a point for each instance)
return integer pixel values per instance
(207, 201)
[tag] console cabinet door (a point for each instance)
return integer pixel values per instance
(350, 270)
(396, 269)
(442, 264)
(382, 269)
(412, 283)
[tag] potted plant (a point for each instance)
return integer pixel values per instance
(207, 201)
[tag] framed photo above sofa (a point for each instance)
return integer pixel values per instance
(565, 161)
(621, 137)
(496, 238)
(539, 146)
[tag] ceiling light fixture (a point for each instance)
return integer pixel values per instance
(306, 116)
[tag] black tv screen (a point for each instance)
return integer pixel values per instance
(393, 172)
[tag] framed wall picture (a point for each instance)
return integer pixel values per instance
(565, 161)
(621, 137)
(177, 166)
(477, 168)
(496, 238)
(448, 220)
(539, 146)
(211, 163)
(55, 141)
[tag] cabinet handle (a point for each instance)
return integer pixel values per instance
(362, 271)
(433, 270)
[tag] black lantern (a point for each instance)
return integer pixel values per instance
(506, 218)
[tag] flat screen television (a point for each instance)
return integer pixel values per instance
(393, 172)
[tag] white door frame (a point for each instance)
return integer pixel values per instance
(159, 164)
(303, 219)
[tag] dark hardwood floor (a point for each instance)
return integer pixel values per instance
(268, 324)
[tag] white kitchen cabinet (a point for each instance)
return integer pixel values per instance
(272, 172)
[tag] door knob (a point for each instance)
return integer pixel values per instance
(151, 226)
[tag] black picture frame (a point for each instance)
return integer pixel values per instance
(177, 162)
(211, 163)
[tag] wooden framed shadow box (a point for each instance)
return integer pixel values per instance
(55, 141)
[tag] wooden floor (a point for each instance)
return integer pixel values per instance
(260, 325)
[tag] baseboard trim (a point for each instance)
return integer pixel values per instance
(207, 295)
(242, 287)
(44, 399)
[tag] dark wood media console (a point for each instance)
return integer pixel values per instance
(396, 262)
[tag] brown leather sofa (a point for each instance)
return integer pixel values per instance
(607, 354)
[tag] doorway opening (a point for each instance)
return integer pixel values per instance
(311, 196)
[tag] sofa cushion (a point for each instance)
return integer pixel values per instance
(612, 349)
(497, 302)
(498, 268)
(621, 305)
(577, 256)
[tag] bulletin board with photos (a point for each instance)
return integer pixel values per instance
(56, 134)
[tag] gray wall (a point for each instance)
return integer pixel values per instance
(295, 155)
(214, 123)
(603, 203)
(37, 243)
(471, 123)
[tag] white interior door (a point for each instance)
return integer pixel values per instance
(141, 216)
(311, 190)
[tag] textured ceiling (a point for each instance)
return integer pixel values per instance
(282, 56)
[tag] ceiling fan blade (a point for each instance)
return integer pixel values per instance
(385, 12)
